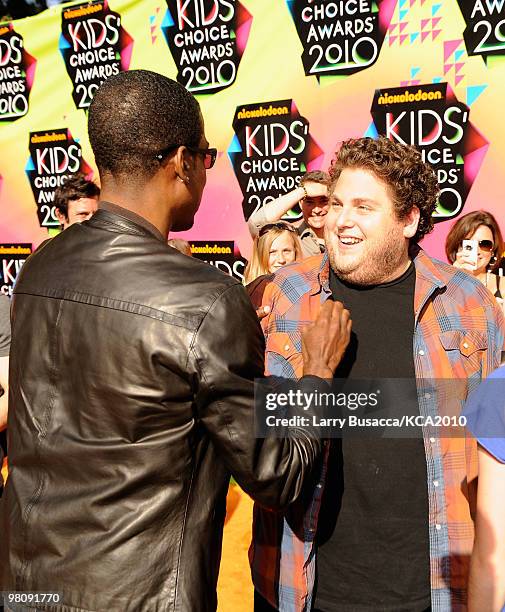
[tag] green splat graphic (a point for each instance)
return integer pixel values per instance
(443, 212)
(495, 61)
(330, 79)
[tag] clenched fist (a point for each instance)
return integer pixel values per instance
(324, 341)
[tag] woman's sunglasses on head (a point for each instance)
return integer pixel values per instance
(280, 225)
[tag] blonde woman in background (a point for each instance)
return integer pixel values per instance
(276, 245)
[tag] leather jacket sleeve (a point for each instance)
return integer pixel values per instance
(228, 349)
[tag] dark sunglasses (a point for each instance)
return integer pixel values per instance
(484, 245)
(209, 155)
(280, 225)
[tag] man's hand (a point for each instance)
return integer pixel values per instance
(324, 341)
(262, 312)
(316, 193)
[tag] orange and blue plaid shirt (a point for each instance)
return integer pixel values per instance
(458, 337)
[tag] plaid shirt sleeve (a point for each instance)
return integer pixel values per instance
(294, 300)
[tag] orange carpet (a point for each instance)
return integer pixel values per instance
(234, 588)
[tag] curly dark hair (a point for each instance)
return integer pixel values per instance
(410, 180)
(134, 115)
(75, 187)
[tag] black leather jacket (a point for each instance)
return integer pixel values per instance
(130, 404)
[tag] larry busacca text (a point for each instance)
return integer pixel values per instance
(341, 408)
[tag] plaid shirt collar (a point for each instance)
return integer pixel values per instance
(428, 277)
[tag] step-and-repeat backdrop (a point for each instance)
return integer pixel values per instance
(280, 82)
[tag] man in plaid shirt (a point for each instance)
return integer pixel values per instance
(388, 520)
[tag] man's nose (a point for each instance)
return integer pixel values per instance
(344, 218)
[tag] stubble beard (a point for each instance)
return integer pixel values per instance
(377, 265)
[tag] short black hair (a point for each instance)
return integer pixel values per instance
(75, 187)
(134, 115)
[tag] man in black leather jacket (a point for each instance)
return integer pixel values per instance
(131, 387)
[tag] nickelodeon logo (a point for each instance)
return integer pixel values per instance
(213, 250)
(48, 138)
(263, 112)
(15, 250)
(407, 96)
(85, 10)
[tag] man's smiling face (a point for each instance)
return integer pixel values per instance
(367, 244)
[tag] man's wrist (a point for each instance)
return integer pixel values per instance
(319, 370)
(305, 194)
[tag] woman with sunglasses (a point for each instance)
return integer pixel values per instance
(481, 227)
(276, 245)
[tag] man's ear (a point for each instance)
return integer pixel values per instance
(411, 222)
(60, 216)
(182, 163)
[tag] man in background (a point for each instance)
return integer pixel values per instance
(312, 195)
(76, 200)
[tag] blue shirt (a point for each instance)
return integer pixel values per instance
(485, 413)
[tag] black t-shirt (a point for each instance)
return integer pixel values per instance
(373, 539)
